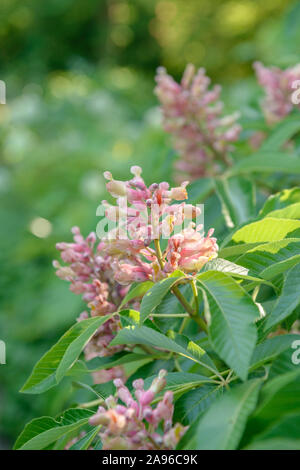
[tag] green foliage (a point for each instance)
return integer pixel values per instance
(230, 362)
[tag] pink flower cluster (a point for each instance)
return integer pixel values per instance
(134, 424)
(90, 276)
(101, 272)
(134, 259)
(278, 86)
(192, 114)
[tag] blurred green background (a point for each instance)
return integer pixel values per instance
(79, 78)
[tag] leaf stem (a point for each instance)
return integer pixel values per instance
(189, 308)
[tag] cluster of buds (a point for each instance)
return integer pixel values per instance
(89, 275)
(189, 250)
(150, 216)
(279, 86)
(135, 424)
(192, 114)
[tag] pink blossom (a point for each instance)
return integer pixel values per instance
(134, 425)
(192, 114)
(278, 87)
(190, 250)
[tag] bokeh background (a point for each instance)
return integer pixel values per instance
(80, 77)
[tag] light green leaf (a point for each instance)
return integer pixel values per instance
(266, 230)
(281, 200)
(290, 212)
(224, 266)
(222, 426)
(54, 365)
(230, 314)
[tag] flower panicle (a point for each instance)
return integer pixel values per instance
(192, 114)
(278, 86)
(135, 424)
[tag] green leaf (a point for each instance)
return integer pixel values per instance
(41, 432)
(288, 299)
(234, 270)
(231, 314)
(224, 266)
(237, 196)
(155, 295)
(85, 442)
(279, 397)
(137, 290)
(266, 230)
(286, 428)
(281, 200)
(270, 259)
(222, 426)
(199, 190)
(144, 335)
(290, 212)
(233, 251)
(54, 365)
(271, 348)
(191, 405)
(101, 363)
(267, 162)
(281, 134)
(277, 443)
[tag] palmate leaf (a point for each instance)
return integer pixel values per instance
(223, 424)
(41, 432)
(230, 314)
(288, 299)
(237, 196)
(53, 366)
(267, 162)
